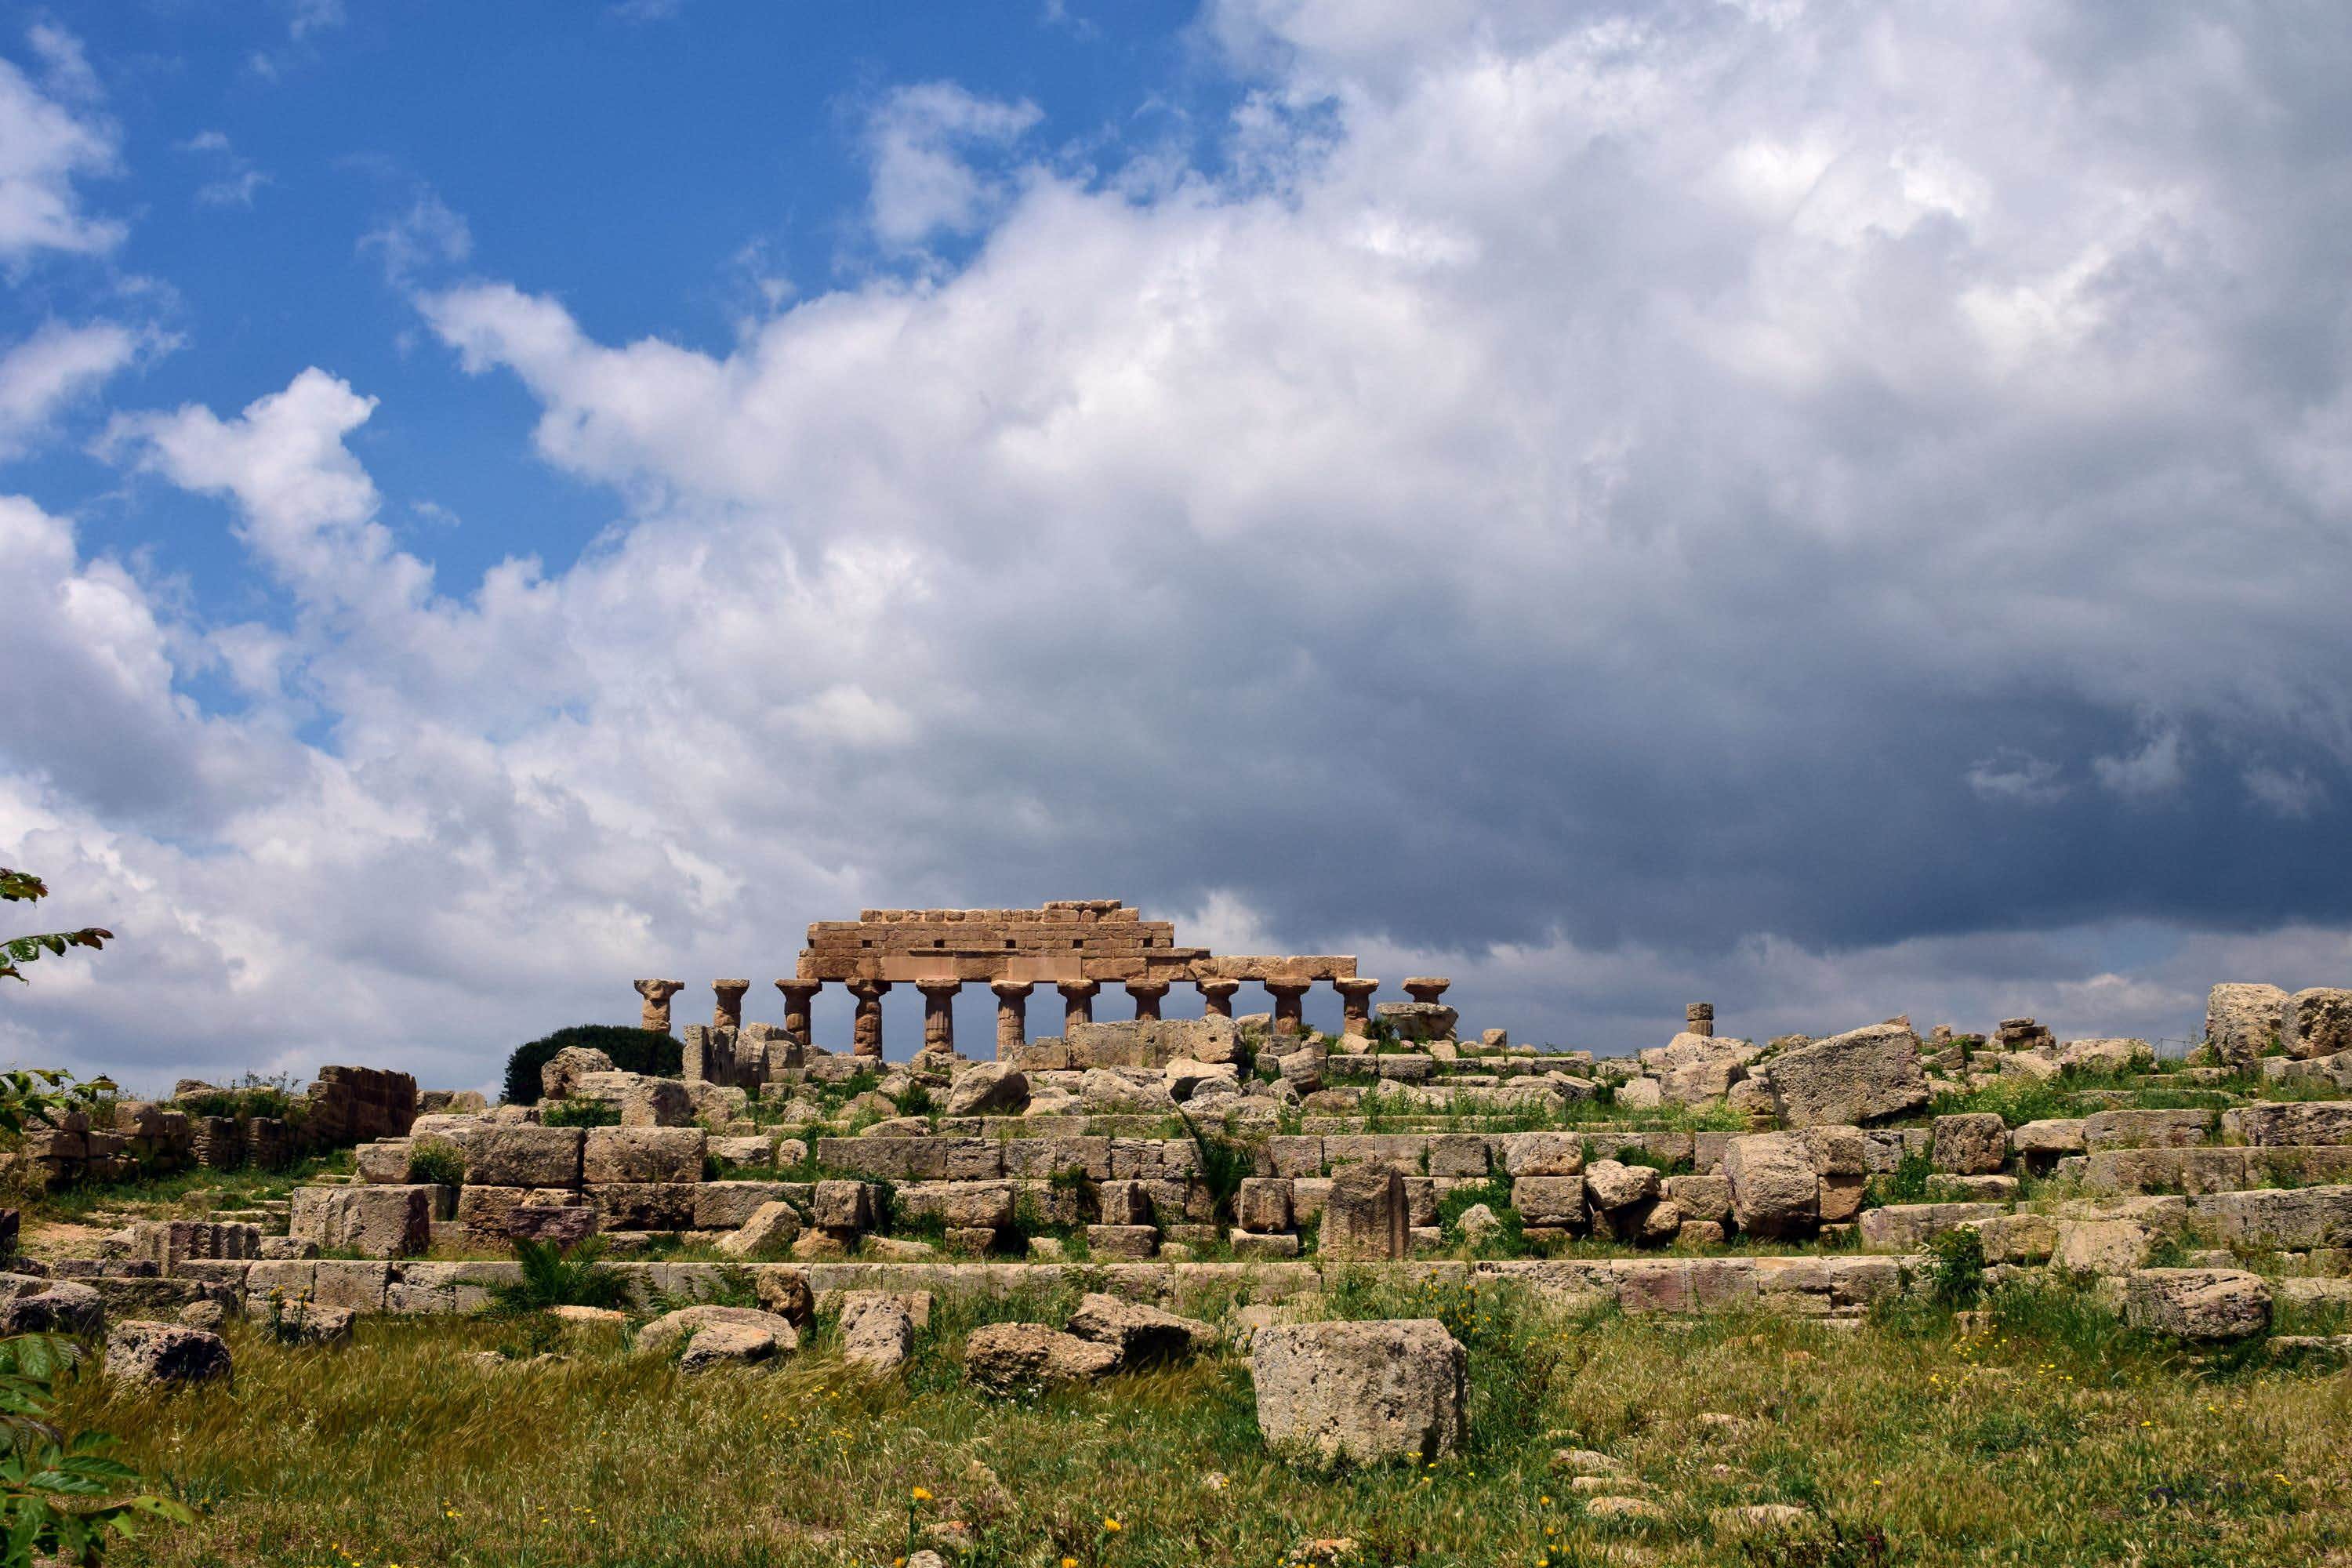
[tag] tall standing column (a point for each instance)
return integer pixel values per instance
(1217, 997)
(1289, 1015)
(654, 1013)
(1077, 1001)
(1356, 1004)
(939, 1012)
(1426, 988)
(727, 1005)
(799, 995)
(865, 1034)
(1012, 1015)
(1699, 1018)
(1147, 995)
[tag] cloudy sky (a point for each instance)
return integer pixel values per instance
(1836, 509)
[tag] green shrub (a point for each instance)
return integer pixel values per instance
(1906, 1184)
(61, 1496)
(552, 1277)
(1958, 1269)
(436, 1160)
(631, 1050)
(580, 1114)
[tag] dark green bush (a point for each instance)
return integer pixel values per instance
(436, 1160)
(552, 1277)
(631, 1050)
(580, 1114)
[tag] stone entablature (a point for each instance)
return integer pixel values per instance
(1076, 945)
(1070, 940)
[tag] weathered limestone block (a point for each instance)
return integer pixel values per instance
(164, 1355)
(1694, 1066)
(1702, 1199)
(2049, 1140)
(32, 1305)
(878, 1333)
(1864, 1075)
(2317, 1023)
(1130, 1241)
(1775, 1191)
(714, 1336)
(637, 1154)
(1906, 1227)
(1360, 1391)
(2106, 1056)
(1140, 1334)
(1460, 1155)
(2308, 1121)
(843, 1205)
(2198, 1303)
(1971, 1145)
(1004, 1358)
(2145, 1129)
(959, 1206)
(1107, 1091)
(1262, 1206)
(768, 1232)
(510, 1154)
(1152, 1042)
(384, 1160)
(1365, 1215)
(2242, 1022)
(724, 1205)
(1549, 1200)
(2104, 1246)
(986, 1088)
(372, 1221)
(2022, 1238)
(560, 1075)
(1541, 1153)
(2297, 1218)
(643, 1206)
(1611, 1185)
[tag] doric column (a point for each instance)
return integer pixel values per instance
(1217, 997)
(1289, 1017)
(865, 1034)
(1699, 1018)
(1147, 995)
(1356, 1004)
(939, 1012)
(1077, 1001)
(654, 1014)
(1426, 988)
(798, 995)
(727, 1007)
(1012, 1014)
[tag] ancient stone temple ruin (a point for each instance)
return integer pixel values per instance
(1077, 946)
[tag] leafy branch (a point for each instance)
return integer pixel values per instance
(23, 886)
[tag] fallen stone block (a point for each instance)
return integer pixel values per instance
(1359, 1391)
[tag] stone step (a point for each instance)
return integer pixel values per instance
(2211, 1169)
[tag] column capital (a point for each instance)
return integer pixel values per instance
(1287, 987)
(1009, 989)
(867, 990)
(726, 1003)
(1078, 990)
(943, 985)
(1426, 987)
(654, 1015)
(1218, 987)
(799, 990)
(1354, 986)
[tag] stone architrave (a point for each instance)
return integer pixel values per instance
(654, 1014)
(1356, 1004)
(1012, 1014)
(726, 1003)
(1077, 1001)
(866, 1033)
(1289, 998)
(799, 998)
(1217, 997)
(1147, 995)
(1427, 988)
(939, 1012)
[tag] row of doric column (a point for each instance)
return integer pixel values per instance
(1013, 1004)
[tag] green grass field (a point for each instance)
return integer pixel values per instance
(2049, 1436)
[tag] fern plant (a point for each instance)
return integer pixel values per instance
(553, 1277)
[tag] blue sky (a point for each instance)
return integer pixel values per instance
(1835, 510)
